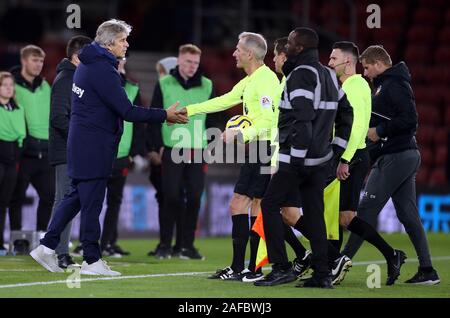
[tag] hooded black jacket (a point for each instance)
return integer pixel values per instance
(311, 105)
(60, 106)
(393, 98)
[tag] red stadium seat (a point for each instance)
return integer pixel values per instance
(441, 155)
(417, 54)
(427, 94)
(428, 114)
(440, 136)
(438, 177)
(447, 16)
(424, 135)
(433, 3)
(422, 175)
(426, 16)
(447, 115)
(388, 33)
(418, 72)
(444, 35)
(427, 156)
(438, 74)
(394, 11)
(421, 35)
(442, 55)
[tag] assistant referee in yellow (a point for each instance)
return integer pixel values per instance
(343, 60)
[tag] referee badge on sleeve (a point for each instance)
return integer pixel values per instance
(266, 102)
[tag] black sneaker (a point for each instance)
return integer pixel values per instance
(277, 277)
(109, 251)
(155, 251)
(302, 266)
(340, 268)
(176, 251)
(117, 249)
(394, 265)
(78, 251)
(191, 253)
(164, 252)
(424, 278)
(226, 274)
(249, 277)
(316, 282)
(66, 261)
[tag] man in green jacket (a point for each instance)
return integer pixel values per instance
(33, 94)
(182, 182)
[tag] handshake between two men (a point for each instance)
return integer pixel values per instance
(180, 116)
(175, 116)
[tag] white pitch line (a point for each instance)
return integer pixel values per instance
(438, 258)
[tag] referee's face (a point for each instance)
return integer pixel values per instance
(338, 61)
(242, 55)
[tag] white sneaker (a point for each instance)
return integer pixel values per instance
(47, 258)
(98, 268)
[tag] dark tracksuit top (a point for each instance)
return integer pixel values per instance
(393, 98)
(60, 107)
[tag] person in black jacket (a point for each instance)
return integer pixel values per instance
(393, 127)
(312, 104)
(60, 106)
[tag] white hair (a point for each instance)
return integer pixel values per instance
(108, 31)
(256, 43)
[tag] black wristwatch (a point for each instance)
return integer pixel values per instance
(344, 161)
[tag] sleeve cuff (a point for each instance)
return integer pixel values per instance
(190, 111)
(380, 131)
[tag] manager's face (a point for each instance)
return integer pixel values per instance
(120, 45)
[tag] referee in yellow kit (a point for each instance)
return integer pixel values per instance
(259, 92)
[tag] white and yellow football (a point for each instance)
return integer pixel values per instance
(238, 122)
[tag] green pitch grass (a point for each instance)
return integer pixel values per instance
(144, 276)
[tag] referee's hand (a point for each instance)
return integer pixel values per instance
(342, 171)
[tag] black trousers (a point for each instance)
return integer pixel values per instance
(156, 180)
(114, 195)
(311, 183)
(183, 185)
(8, 177)
(41, 175)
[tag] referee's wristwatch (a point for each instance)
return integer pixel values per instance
(342, 160)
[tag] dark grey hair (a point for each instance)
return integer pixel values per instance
(108, 31)
(256, 43)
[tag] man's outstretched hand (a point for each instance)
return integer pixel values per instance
(182, 111)
(175, 116)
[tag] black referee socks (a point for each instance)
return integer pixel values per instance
(368, 233)
(240, 233)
